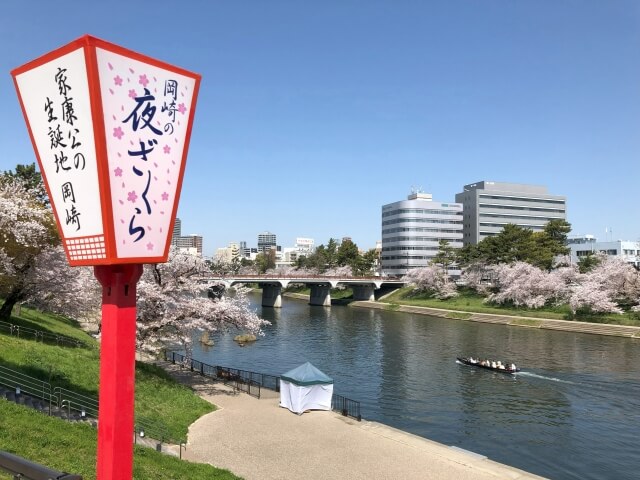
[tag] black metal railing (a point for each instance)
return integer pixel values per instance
(23, 384)
(41, 336)
(253, 382)
(242, 380)
(346, 406)
(82, 404)
(153, 428)
(25, 469)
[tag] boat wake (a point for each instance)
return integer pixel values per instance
(544, 377)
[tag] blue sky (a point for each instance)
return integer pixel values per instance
(312, 115)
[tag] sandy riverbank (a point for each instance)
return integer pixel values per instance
(258, 440)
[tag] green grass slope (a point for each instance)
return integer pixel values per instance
(71, 447)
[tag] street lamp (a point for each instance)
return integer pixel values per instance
(111, 129)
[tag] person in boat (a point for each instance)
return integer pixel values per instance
(473, 360)
(494, 364)
(500, 365)
(513, 367)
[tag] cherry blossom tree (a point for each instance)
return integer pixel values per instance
(53, 286)
(479, 277)
(173, 306)
(602, 289)
(26, 229)
(432, 279)
(522, 284)
(339, 271)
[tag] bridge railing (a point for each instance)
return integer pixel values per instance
(302, 277)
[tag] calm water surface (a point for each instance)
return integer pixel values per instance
(573, 413)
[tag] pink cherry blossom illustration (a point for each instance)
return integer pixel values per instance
(118, 133)
(117, 80)
(165, 196)
(118, 172)
(132, 197)
(181, 108)
(144, 81)
(132, 93)
(167, 149)
(149, 246)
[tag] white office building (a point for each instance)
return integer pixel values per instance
(489, 206)
(412, 230)
(582, 246)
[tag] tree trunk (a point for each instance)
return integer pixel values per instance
(14, 297)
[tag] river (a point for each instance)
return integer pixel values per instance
(572, 413)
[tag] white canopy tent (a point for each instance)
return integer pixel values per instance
(305, 388)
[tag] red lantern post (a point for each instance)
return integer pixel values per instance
(111, 129)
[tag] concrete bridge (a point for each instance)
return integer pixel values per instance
(363, 287)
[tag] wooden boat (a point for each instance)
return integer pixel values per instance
(477, 364)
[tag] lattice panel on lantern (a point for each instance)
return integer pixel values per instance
(86, 248)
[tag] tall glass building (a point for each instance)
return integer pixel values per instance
(489, 206)
(412, 230)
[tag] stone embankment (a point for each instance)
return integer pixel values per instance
(543, 323)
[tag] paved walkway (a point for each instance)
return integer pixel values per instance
(258, 440)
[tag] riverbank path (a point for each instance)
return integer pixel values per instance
(258, 440)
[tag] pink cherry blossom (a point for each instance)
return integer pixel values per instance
(117, 80)
(171, 308)
(132, 93)
(149, 246)
(432, 279)
(118, 172)
(167, 149)
(165, 196)
(525, 285)
(118, 133)
(181, 108)
(143, 80)
(132, 197)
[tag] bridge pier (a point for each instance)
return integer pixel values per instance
(320, 294)
(363, 292)
(272, 295)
